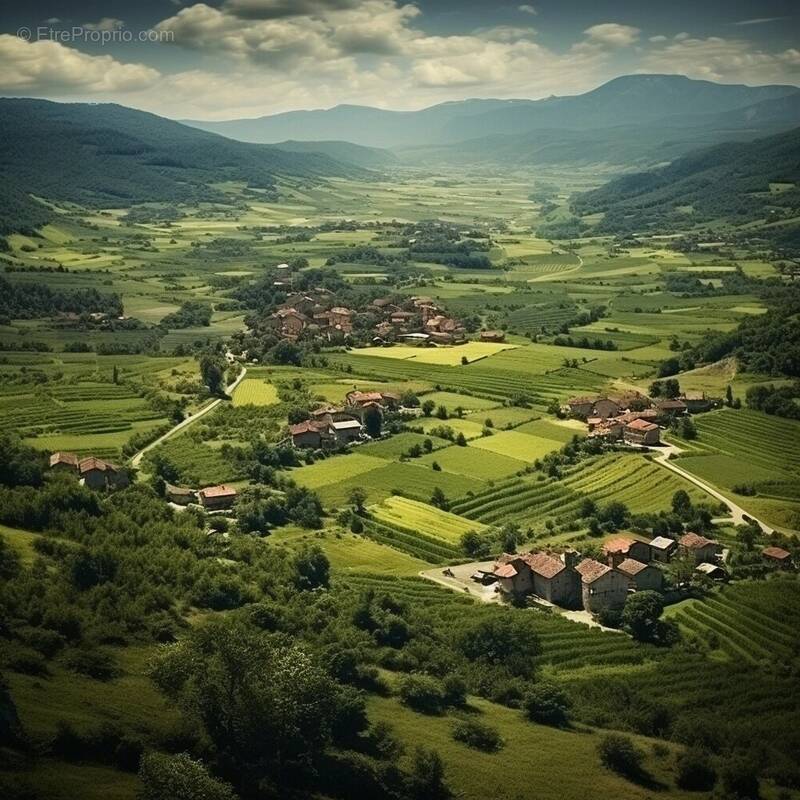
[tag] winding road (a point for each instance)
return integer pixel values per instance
(201, 412)
(738, 514)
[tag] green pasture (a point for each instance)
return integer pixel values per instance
(424, 518)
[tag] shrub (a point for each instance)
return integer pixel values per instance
(694, 772)
(740, 779)
(455, 691)
(547, 704)
(479, 735)
(93, 663)
(620, 754)
(179, 778)
(423, 694)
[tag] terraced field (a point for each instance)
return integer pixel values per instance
(424, 518)
(641, 484)
(746, 621)
(484, 378)
(544, 317)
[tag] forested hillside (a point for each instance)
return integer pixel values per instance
(108, 155)
(734, 180)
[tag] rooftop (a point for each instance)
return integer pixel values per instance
(662, 542)
(642, 425)
(694, 541)
(590, 570)
(620, 544)
(630, 566)
(544, 564)
(776, 552)
(218, 491)
(64, 458)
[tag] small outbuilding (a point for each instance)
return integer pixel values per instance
(778, 556)
(641, 576)
(662, 548)
(214, 498)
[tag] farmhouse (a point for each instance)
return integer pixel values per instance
(713, 571)
(618, 549)
(697, 401)
(641, 432)
(777, 555)
(357, 399)
(605, 407)
(692, 545)
(341, 319)
(346, 431)
(601, 586)
(581, 407)
(98, 474)
(64, 462)
(180, 495)
(641, 576)
(662, 549)
(290, 322)
(214, 498)
(312, 433)
(546, 575)
(671, 408)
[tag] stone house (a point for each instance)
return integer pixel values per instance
(180, 495)
(214, 498)
(605, 408)
(778, 556)
(697, 547)
(662, 548)
(346, 431)
(601, 586)
(98, 474)
(642, 432)
(312, 433)
(616, 550)
(546, 575)
(671, 408)
(697, 401)
(64, 462)
(641, 576)
(341, 319)
(581, 407)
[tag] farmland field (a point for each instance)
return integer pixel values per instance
(445, 355)
(252, 391)
(424, 518)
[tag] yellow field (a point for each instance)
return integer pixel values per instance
(255, 392)
(448, 356)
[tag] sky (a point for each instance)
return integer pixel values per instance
(225, 59)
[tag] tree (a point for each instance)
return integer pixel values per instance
(427, 779)
(212, 372)
(695, 771)
(357, 496)
(262, 701)
(508, 638)
(441, 412)
(427, 407)
(286, 352)
(461, 440)
(547, 703)
(620, 754)
(473, 544)
(373, 420)
(655, 389)
(427, 445)
(422, 693)
(312, 566)
(682, 504)
(641, 614)
(672, 388)
(179, 778)
(729, 395)
(438, 499)
(477, 734)
(740, 779)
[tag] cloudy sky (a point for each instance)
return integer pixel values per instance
(224, 59)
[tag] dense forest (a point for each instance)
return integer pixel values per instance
(731, 180)
(30, 300)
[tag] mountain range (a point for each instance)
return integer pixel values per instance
(634, 118)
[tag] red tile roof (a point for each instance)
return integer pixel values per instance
(619, 545)
(64, 458)
(92, 462)
(544, 564)
(590, 570)
(218, 491)
(308, 426)
(693, 541)
(776, 552)
(505, 571)
(630, 566)
(642, 425)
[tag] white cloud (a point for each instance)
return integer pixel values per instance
(724, 60)
(527, 9)
(52, 68)
(105, 24)
(275, 9)
(758, 20)
(612, 34)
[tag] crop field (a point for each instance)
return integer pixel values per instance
(750, 621)
(641, 484)
(471, 428)
(395, 446)
(474, 463)
(198, 464)
(446, 355)
(423, 518)
(452, 400)
(514, 444)
(335, 469)
(255, 392)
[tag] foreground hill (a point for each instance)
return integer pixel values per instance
(631, 100)
(743, 181)
(109, 155)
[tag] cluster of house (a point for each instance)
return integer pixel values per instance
(211, 498)
(629, 565)
(333, 426)
(632, 416)
(93, 472)
(417, 319)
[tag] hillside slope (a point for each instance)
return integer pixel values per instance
(346, 152)
(731, 180)
(109, 155)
